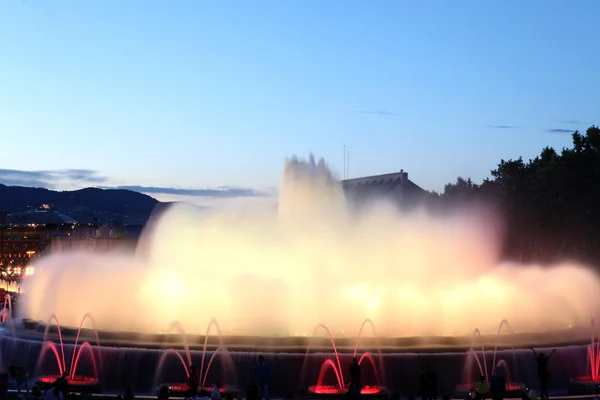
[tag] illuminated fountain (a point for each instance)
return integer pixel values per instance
(6, 313)
(473, 359)
(315, 252)
(75, 378)
(270, 277)
(228, 370)
(334, 364)
(589, 383)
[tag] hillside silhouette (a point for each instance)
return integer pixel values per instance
(85, 205)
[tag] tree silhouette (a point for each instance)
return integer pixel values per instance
(551, 203)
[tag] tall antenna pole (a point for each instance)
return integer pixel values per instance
(344, 176)
(348, 165)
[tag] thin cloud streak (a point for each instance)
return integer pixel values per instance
(572, 122)
(560, 130)
(501, 126)
(79, 178)
(49, 179)
(220, 192)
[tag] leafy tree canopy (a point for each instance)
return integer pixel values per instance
(551, 203)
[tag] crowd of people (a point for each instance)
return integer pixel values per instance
(259, 388)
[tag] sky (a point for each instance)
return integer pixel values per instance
(203, 100)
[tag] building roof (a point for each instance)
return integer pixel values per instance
(39, 217)
(396, 185)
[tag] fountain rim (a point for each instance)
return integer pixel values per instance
(295, 344)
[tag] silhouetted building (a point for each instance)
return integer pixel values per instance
(395, 187)
(101, 239)
(24, 235)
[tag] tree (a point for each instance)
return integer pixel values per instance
(460, 190)
(551, 203)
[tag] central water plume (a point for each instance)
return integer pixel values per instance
(316, 260)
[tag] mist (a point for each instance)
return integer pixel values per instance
(314, 259)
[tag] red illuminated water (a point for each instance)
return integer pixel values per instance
(76, 380)
(227, 361)
(164, 356)
(184, 387)
(336, 368)
(334, 364)
(177, 326)
(61, 361)
(593, 355)
(481, 362)
(587, 379)
(510, 386)
(210, 361)
(222, 349)
(75, 357)
(333, 390)
(502, 323)
(6, 309)
(85, 346)
(360, 331)
(78, 352)
(369, 357)
(482, 365)
(327, 365)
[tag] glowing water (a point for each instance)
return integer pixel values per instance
(336, 366)
(6, 313)
(314, 261)
(593, 355)
(85, 347)
(227, 360)
(480, 359)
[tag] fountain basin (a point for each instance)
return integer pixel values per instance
(584, 385)
(513, 390)
(330, 391)
(77, 384)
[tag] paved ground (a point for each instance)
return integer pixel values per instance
(112, 396)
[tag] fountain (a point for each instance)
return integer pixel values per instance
(6, 313)
(320, 389)
(271, 277)
(589, 383)
(513, 389)
(181, 388)
(75, 378)
(315, 252)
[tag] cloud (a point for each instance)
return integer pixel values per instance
(381, 112)
(49, 178)
(59, 179)
(572, 122)
(501, 126)
(219, 192)
(560, 130)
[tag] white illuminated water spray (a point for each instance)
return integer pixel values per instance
(313, 261)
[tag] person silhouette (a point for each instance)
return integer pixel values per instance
(262, 377)
(543, 372)
(425, 383)
(193, 381)
(355, 373)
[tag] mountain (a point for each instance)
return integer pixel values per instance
(85, 205)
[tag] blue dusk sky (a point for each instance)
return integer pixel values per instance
(202, 95)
